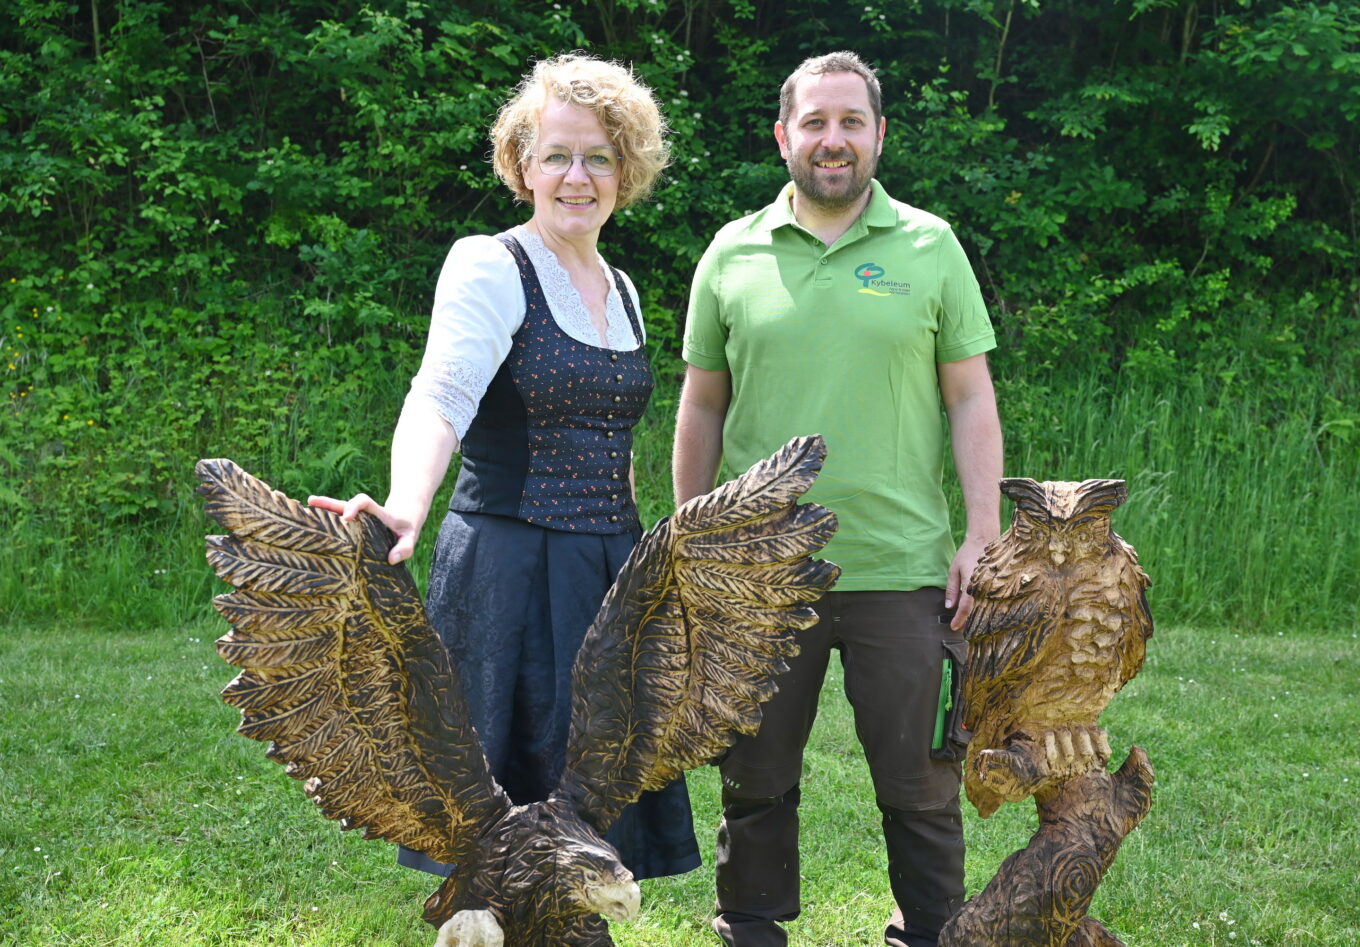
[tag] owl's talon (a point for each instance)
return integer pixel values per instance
(1075, 750)
(1012, 772)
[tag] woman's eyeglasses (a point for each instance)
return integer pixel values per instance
(601, 161)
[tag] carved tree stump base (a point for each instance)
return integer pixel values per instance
(1041, 893)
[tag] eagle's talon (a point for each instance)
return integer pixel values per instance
(471, 929)
(619, 901)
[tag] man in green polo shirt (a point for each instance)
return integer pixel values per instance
(837, 310)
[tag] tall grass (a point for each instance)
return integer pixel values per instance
(1242, 512)
(1244, 508)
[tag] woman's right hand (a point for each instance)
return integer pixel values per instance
(404, 529)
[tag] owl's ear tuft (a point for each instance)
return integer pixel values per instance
(1100, 496)
(1028, 494)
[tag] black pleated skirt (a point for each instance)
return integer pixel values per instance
(513, 602)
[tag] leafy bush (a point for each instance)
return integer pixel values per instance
(219, 226)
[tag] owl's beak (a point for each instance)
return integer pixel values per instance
(1058, 553)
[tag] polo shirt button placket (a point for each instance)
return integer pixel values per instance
(821, 278)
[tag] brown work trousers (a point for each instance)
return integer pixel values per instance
(892, 648)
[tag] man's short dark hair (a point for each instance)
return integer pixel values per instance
(842, 61)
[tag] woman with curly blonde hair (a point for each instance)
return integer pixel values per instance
(624, 108)
(535, 370)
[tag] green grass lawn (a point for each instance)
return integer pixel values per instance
(133, 814)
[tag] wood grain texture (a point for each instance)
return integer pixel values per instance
(342, 671)
(691, 638)
(1040, 894)
(1060, 623)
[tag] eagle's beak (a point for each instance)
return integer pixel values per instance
(618, 900)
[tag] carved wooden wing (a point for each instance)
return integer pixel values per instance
(342, 671)
(689, 640)
(1132, 584)
(1014, 612)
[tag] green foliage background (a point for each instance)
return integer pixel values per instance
(220, 226)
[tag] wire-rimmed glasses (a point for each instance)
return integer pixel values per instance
(601, 161)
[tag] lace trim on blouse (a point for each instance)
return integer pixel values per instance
(479, 306)
(454, 385)
(568, 309)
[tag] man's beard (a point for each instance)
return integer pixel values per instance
(838, 196)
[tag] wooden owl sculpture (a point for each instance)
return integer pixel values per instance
(343, 673)
(1060, 623)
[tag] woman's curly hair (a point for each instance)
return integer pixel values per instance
(623, 105)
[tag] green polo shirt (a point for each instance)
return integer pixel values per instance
(843, 341)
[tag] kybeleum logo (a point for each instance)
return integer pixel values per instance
(871, 275)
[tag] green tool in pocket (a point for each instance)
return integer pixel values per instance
(950, 740)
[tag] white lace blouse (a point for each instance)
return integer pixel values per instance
(478, 307)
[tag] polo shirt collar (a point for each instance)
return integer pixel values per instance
(780, 213)
(878, 213)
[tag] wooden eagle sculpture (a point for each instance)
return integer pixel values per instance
(1060, 623)
(343, 673)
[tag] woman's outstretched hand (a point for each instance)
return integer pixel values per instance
(405, 530)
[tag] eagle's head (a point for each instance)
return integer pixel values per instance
(543, 859)
(590, 876)
(579, 872)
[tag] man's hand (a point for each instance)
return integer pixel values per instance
(960, 575)
(975, 433)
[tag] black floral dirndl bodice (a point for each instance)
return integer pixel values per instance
(552, 440)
